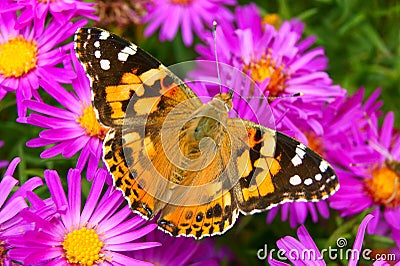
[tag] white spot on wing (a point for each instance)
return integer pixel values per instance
(97, 54)
(295, 180)
(323, 166)
(308, 181)
(300, 150)
(318, 177)
(296, 160)
(96, 44)
(126, 52)
(104, 35)
(131, 49)
(122, 56)
(105, 64)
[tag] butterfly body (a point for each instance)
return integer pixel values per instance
(206, 122)
(185, 161)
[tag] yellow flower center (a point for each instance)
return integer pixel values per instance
(265, 68)
(272, 19)
(83, 246)
(89, 122)
(181, 2)
(18, 56)
(384, 187)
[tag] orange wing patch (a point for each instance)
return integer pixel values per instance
(131, 78)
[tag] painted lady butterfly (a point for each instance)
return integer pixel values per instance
(185, 160)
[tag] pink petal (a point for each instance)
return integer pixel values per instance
(133, 246)
(56, 189)
(74, 195)
(12, 208)
(6, 185)
(94, 195)
(359, 239)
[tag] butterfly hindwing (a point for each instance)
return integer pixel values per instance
(213, 218)
(219, 211)
(125, 178)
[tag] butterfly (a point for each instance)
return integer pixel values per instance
(183, 161)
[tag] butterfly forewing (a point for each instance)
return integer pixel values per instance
(121, 72)
(281, 169)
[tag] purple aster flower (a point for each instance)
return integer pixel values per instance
(280, 62)
(370, 174)
(191, 16)
(305, 252)
(73, 127)
(31, 53)
(97, 234)
(181, 251)
(11, 204)
(61, 10)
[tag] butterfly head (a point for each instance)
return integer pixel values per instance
(223, 101)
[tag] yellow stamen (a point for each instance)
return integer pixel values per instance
(2, 253)
(265, 68)
(18, 56)
(83, 246)
(272, 19)
(89, 122)
(384, 187)
(181, 2)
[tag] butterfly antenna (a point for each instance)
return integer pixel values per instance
(297, 94)
(214, 30)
